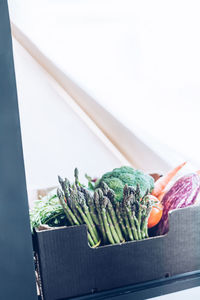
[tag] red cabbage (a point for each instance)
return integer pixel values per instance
(183, 193)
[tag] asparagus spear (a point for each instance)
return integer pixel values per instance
(66, 208)
(114, 220)
(138, 228)
(120, 219)
(144, 226)
(91, 242)
(83, 204)
(76, 177)
(103, 204)
(109, 193)
(128, 225)
(82, 201)
(104, 187)
(61, 181)
(127, 204)
(126, 220)
(66, 189)
(101, 223)
(91, 206)
(135, 208)
(83, 215)
(138, 203)
(112, 229)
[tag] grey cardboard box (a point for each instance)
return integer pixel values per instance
(68, 267)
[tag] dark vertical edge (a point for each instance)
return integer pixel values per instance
(17, 278)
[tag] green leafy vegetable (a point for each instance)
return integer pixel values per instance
(47, 210)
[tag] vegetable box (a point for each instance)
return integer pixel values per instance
(68, 267)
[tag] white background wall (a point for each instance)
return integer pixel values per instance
(140, 59)
(55, 134)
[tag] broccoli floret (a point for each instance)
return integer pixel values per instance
(116, 185)
(125, 169)
(117, 178)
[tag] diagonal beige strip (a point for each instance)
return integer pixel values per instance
(56, 137)
(128, 144)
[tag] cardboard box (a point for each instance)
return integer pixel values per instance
(68, 267)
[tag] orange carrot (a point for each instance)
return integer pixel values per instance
(161, 195)
(163, 181)
(198, 172)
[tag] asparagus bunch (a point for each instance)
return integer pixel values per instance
(74, 202)
(136, 213)
(108, 221)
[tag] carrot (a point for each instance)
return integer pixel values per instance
(161, 195)
(198, 172)
(163, 181)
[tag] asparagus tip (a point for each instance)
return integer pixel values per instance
(59, 193)
(76, 173)
(60, 180)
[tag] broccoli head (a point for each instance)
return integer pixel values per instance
(117, 178)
